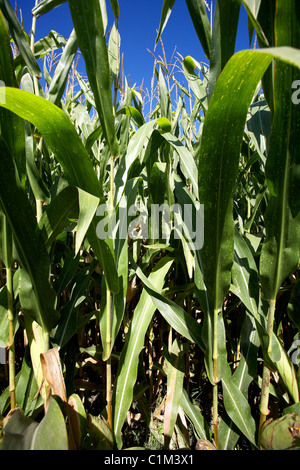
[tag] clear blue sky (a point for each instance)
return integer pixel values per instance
(138, 24)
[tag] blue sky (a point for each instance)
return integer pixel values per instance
(138, 24)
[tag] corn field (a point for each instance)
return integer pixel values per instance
(150, 240)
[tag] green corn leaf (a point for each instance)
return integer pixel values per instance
(42, 47)
(242, 377)
(135, 147)
(59, 80)
(88, 205)
(201, 23)
(186, 160)
(133, 113)
(115, 8)
(246, 287)
(44, 6)
(59, 134)
(28, 239)
(266, 19)
(18, 432)
(165, 15)
(57, 215)
(252, 8)
(218, 163)
(26, 386)
(67, 273)
(69, 323)
(175, 376)
(219, 157)
(178, 318)
(20, 39)
(12, 128)
(88, 22)
(237, 406)
(194, 415)
(280, 252)
(47, 436)
(118, 300)
(196, 84)
(245, 275)
(4, 331)
(37, 184)
(67, 147)
(280, 361)
(51, 42)
(127, 370)
(225, 26)
(164, 96)
(70, 203)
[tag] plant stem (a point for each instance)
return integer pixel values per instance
(264, 402)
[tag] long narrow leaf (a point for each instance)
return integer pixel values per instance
(178, 318)
(67, 147)
(219, 157)
(225, 26)
(46, 5)
(165, 14)
(194, 415)
(20, 39)
(88, 22)
(200, 20)
(237, 406)
(12, 128)
(127, 370)
(28, 239)
(59, 80)
(175, 376)
(280, 252)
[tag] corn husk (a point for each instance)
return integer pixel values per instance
(282, 433)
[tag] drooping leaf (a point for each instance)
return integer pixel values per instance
(201, 24)
(115, 8)
(237, 406)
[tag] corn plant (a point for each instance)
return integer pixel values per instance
(150, 264)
